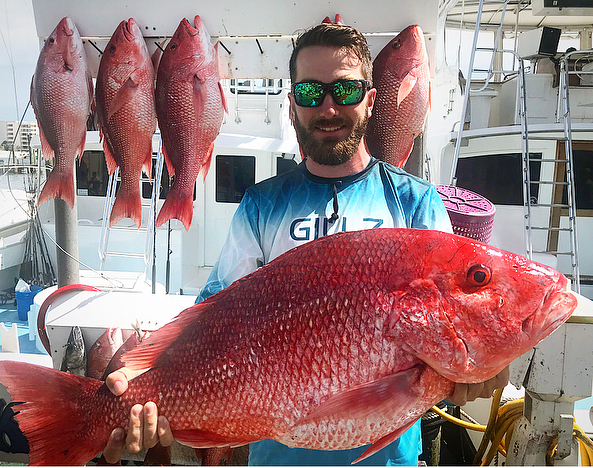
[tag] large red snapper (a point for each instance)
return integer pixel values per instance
(344, 341)
(402, 79)
(61, 96)
(190, 106)
(126, 115)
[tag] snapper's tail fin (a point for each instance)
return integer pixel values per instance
(128, 204)
(48, 408)
(178, 205)
(58, 184)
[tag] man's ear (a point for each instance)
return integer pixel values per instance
(291, 108)
(371, 95)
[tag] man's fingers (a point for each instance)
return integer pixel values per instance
(164, 432)
(150, 436)
(478, 390)
(459, 396)
(117, 381)
(462, 393)
(115, 446)
(134, 438)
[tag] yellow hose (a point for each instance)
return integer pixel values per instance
(459, 422)
(499, 431)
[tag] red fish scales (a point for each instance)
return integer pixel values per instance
(313, 359)
(61, 96)
(190, 107)
(127, 115)
(402, 78)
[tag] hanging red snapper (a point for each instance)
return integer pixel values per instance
(126, 115)
(190, 106)
(344, 341)
(402, 79)
(102, 351)
(61, 96)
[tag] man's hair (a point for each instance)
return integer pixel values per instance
(337, 36)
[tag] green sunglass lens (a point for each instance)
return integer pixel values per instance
(308, 94)
(347, 92)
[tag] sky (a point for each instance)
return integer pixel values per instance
(19, 49)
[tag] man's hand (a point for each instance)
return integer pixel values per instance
(469, 392)
(146, 427)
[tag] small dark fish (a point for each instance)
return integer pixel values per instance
(74, 360)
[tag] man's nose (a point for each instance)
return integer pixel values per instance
(328, 107)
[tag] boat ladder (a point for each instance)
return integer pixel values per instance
(561, 227)
(150, 229)
(559, 185)
(489, 73)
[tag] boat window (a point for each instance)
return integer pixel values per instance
(234, 174)
(91, 174)
(498, 177)
(284, 165)
(583, 170)
(166, 182)
(256, 86)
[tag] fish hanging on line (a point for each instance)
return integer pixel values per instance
(402, 78)
(62, 96)
(126, 115)
(190, 107)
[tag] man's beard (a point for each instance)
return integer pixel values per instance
(330, 151)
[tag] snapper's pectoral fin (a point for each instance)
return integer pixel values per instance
(389, 393)
(124, 95)
(224, 103)
(383, 442)
(406, 86)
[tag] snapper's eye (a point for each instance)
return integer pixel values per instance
(479, 275)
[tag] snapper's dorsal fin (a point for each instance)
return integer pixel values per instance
(148, 351)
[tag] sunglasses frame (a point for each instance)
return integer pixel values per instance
(330, 88)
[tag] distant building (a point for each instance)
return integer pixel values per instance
(8, 131)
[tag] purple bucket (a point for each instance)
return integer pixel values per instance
(471, 214)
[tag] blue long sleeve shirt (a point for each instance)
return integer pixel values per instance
(296, 207)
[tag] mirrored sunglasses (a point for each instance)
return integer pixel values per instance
(343, 92)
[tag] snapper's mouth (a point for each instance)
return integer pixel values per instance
(129, 30)
(558, 304)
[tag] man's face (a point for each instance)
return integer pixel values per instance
(329, 134)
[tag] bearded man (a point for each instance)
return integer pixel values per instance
(338, 186)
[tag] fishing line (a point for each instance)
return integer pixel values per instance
(80, 262)
(113, 282)
(95, 46)
(15, 165)
(9, 52)
(224, 47)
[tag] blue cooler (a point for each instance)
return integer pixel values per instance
(24, 300)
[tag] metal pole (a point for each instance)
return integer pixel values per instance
(67, 239)
(168, 265)
(472, 56)
(154, 249)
